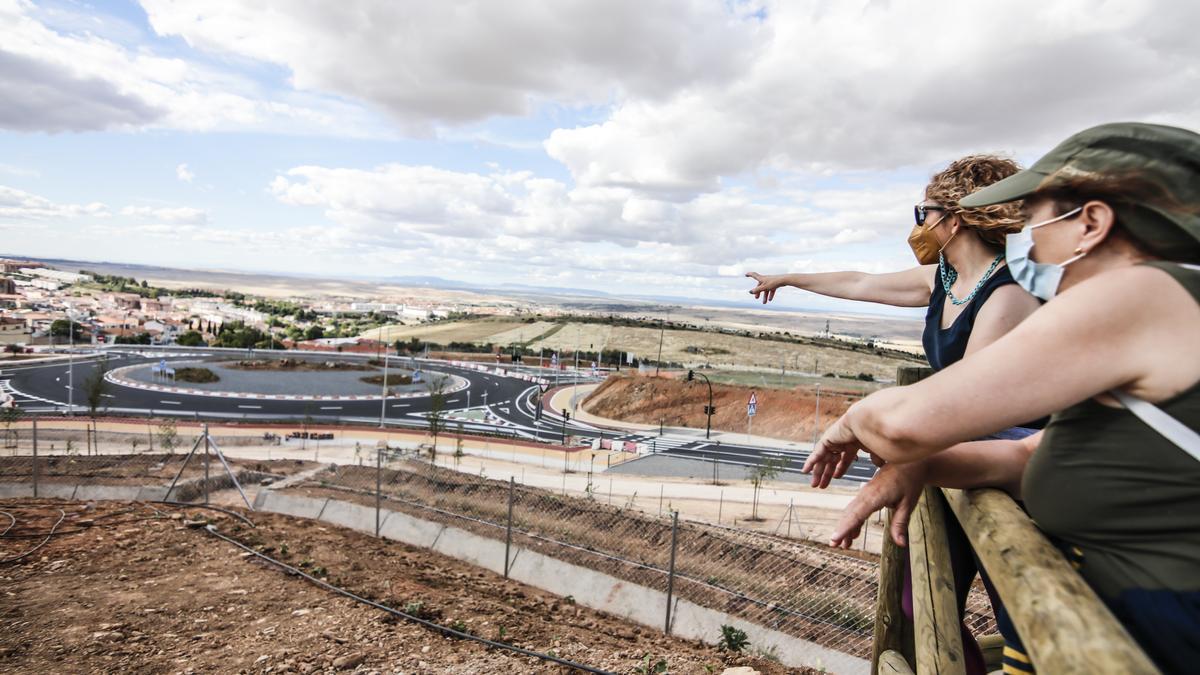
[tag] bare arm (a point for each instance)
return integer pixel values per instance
(1132, 328)
(909, 288)
(975, 464)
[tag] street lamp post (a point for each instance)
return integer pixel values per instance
(383, 396)
(708, 410)
(70, 364)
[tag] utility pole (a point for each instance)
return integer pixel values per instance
(817, 417)
(662, 331)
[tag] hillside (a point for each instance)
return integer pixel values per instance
(782, 413)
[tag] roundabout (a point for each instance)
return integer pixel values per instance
(297, 379)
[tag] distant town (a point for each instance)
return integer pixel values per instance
(40, 305)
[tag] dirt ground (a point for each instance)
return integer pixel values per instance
(140, 588)
(781, 413)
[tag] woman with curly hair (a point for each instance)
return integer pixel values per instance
(962, 277)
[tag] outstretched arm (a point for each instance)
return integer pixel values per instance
(909, 288)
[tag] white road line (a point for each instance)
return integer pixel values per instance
(251, 407)
(331, 407)
(402, 405)
(172, 402)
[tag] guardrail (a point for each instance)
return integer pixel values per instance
(1064, 625)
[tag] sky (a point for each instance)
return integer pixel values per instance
(655, 148)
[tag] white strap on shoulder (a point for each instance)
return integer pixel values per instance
(1171, 429)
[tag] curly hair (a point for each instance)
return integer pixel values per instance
(967, 175)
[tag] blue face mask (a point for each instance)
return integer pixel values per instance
(1041, 280)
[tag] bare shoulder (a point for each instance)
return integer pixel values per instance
(1137, 289)
(1011, 299)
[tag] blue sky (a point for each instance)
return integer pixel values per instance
(660, 148)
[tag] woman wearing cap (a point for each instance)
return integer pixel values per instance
(962, 279)
(1112, 243)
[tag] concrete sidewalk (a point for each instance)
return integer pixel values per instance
(571, 398)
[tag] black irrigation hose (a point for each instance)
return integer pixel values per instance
(227, 512)
(12, 521)
(62, 515)
(445, 630)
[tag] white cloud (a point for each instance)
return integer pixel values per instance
(880, 85)
(19, 205)
(519, 221)
(183, 215)
(75, 80)
(183, 173)
(458, 61)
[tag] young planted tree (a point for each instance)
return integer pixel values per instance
(94, 389)
(168, 437)
(437, 385)
(767, 470)
(8, 415)
(458, 446)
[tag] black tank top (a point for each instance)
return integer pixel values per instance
(946, 346)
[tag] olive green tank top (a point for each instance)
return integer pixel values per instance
(1124, 500)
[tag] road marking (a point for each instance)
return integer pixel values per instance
(331, 407)
(402, 405)
(172, 402)
(108, 396)
(453, 400)
(251, 407)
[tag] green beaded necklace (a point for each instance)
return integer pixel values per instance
(950, 275)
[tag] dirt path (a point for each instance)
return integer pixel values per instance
(129, 589)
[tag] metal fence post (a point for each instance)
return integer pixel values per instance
(35, 459)
(671, 570)
(378, 485)
(508, 533)
(205, 431)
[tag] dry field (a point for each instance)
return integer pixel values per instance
(711, 348)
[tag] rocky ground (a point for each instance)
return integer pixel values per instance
(142, 588)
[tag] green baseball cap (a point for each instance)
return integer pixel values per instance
(1158, 163)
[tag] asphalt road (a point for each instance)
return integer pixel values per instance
(504, 404)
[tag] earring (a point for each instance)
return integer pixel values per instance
(1079, 251)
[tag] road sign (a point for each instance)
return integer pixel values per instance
(752, 406)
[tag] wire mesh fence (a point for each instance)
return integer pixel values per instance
(797, 587)
(793, 586)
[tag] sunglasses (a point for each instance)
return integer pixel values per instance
(921, 211)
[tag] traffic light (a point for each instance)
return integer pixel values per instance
(566, 414)
(691, 375)
(710, 410)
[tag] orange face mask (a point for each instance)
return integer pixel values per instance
(924, 245)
